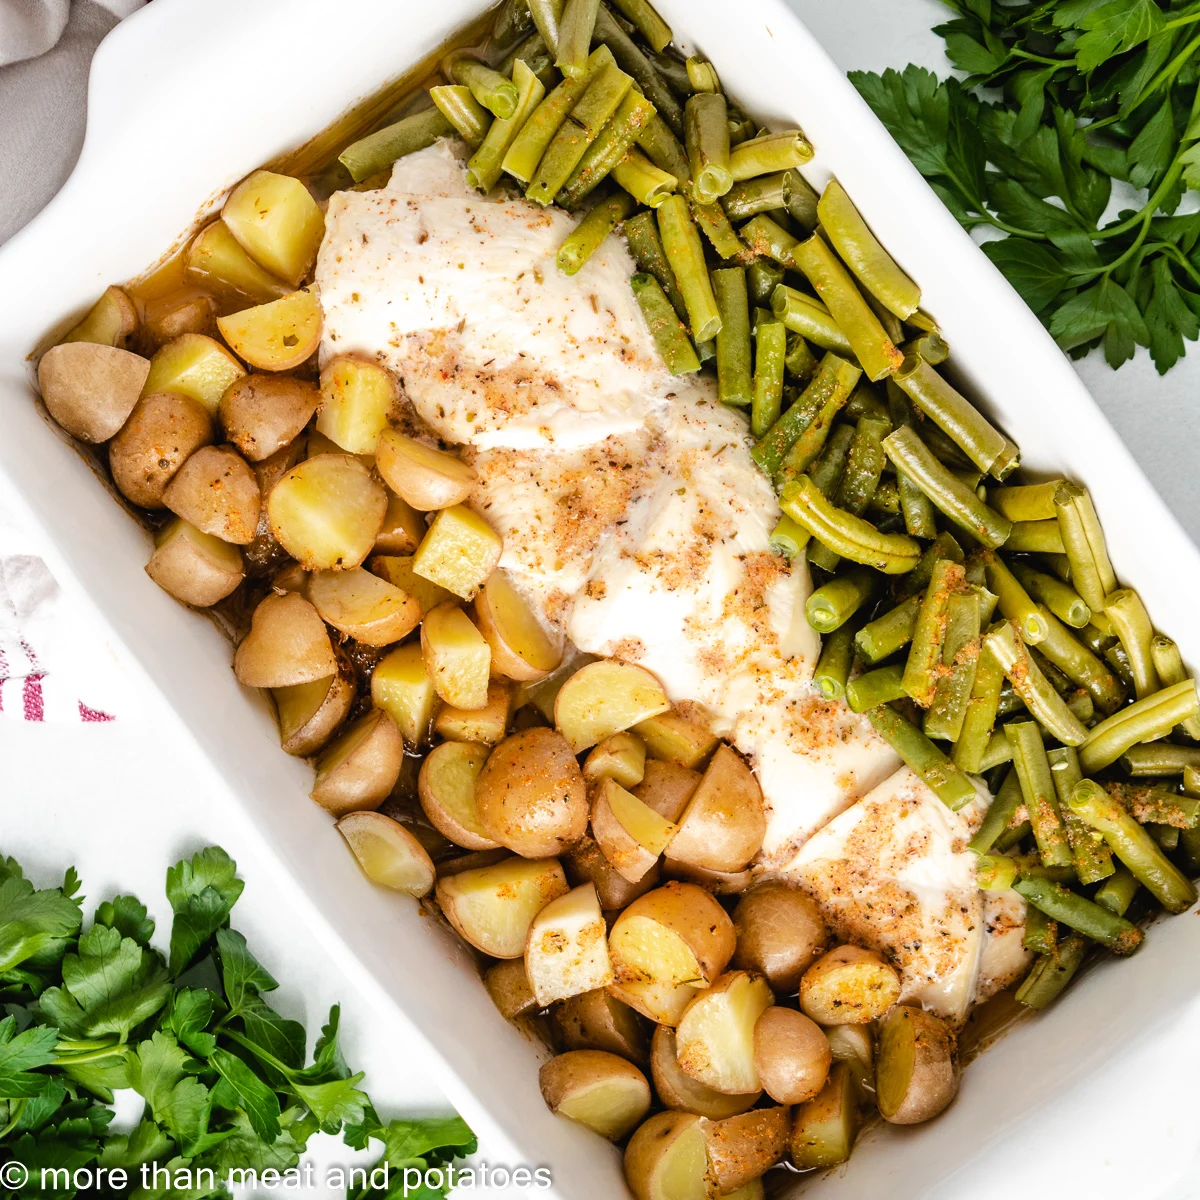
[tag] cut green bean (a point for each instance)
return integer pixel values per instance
(607, 150)
(706, 136)
(788, 538)
(485, 165)
(1062, 600)
(1144, 720)
(1166, 836)
(1013, 600)
(939, 774)
(929, 346)
(532, 143)
(1028, 681)
(562, 156)
(1157, 759)
(806, 316)
(663, 148)
(886, 499)
(833, 666)
(536, 56)
(456, 103)
(1041, 931)
(643, 180)
(889, 633)
(547, 16)
(801, 362)
(1090, 854)
(644, 17)
(865, 464)
(960, 655)
(807, 448)
(1124, 608)
(979, 719)
(925, 653)
(734, 384)
(997, 873)
(681, 241)
(377, 151)
(1082, 915)
(767, 193)
(1092, 574)
(828, 470)
(493, 91)
(1035, 537)
(762, 278)
(769, 239)
(1014, 835)
(715, 226)
(835, 602)
(641, 232)
(702, 76)
(768, 153)
(820, 556)
(513, 23)
(1027, 502)
(770, 352)
(881, 686)
(1079, 664)
(1037, 786)
(665, 326)
(999, 815)
(633, 61)
(606, 90)
(588, 236)
(1168, 662)
(1052, 972)
(1118, 890)
(575, 37)
(1157, 806)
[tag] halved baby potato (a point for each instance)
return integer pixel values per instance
(723, 827)
(388, 853)
(263, 413)
(743, 1148)
(630, 835)
(402, 687)
(357, 398)
(603, 1092)
(916, 1074)
(780, 933)
(621, 757)
(597, 1020)
(186, 310)
(824, 1128)
(287, 644)
(604, 698)
(676, 934)
(567, 951)
(720, 883)
(456, 656)
(493, 907)
(521, 647)
(111, 321)
(360, 768)
(216, 491)
(488, 724)
(90, 389)
(194, 365)
(677, 1089)
(508, 986)
(402, 530)
(446, 787)
(585, 861)
(792, 1055)
(673, 738)
(853, 1045)
(193, 566)
(849, 986)
(277, 222)
(666, 788)
(397, 569)
(276, 336)
(715, 1036)
(216, 259)
(363, 606)
(326, 512)
(459, 551)
(310, 712)
(667, 1159)
(663, 1003)
(426, 477)
(164, 430)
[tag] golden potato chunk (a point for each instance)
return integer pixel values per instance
(723, 827)
(363, 606)
(673, 738)
(263, 413)
(663, 1003)
(604, 698)
(596, 1020)
(677, 1089)
(164, 430)
(585, 861)
(715, 1036)
(780, 934)
(401, 686)
(357, 398)
(456, 656)
(277, 222)
(216, 491)
(287, 644)
(276, 336)
(397, 569)
(488, 724)
(521, 647)
(600, 1091)
(361, 767)
(621, 757)
(916, 1075)
(185, 310)
(792, 1055)
(111, 321)
(849, 986)
(446, 786)
(666, 788)
(852, 1045)
(567, 951)
(459, 552)
(824, 1128)
(630, 834)
(720, 883)
(388, 854)
(402, 530)
(91, 389)
(193, 566)
(194, 365)
(310, 712)
(426, 477)
(743, 1148)
(493, 907)
(216, 259)
(508, 986)
(667, 1159)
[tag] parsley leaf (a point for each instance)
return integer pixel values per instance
(1115, 27)
(202, 892)
(21, 1054)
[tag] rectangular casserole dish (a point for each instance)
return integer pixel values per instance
(168, 132)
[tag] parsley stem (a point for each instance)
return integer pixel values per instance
(1040, 58)
(1149, 208)
(70, 1060)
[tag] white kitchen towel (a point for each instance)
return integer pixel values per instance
(28, 28)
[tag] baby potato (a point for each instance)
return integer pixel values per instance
(426, 477)
(508, 986)
(276, 336)
(673, 738)
(363, 606)
(215, 259)
(401, 686)
(521, 647)
(714, 1039)
(600, 1091)
(446, 787)
(277, 222)
(263, 413)
(456, 656)
(916, 1075)
(388, 853)
(667, 1159)
(186, 310)
(663, 1003)
(604, 698)
(473, 861)
(326, 511)
(780, 934)
(291, 577)
(677, 1089)
(848, 986)
(488, 724)
(621, 757)
(723, 827)
(748, 1191)
(630, 835)
(359, 770)
(743, 1148)
(720, 883)
(310, 712)
(585, 861)
(567, 950)
(397, 569)
(402, 530)
(597, 1020)
(164, 430)
(666, 788)
(459, 551)
(91, 389)
(675, 934)
(287, 644)
(824, 1128)
(531, 794)
(194, 365)
(852, 1045)
(791, 1054)
(111, 321)
(217, 492)
(493, 907)
(192, 566)
(357, 398)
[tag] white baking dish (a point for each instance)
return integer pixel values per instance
(186, 98)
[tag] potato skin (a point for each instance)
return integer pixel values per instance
(363, 778)
(912, 1037)
(780, 934)
(678, 1090)
(585, 861)
(90, 389)
(745, 1147)
(218, 493)
(263, 413)
(792, 1055)
(723, 827)
(531, 795)
(646, 1147)
(666, 787)
(848, 986)
(162, 432)
(599, 1021)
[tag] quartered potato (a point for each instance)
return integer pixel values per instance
(493, 907)
(310, 712)
(276, 336)
(488, 724)
(521, 647)
(541, 694)
(666, 788)
(720, 883)
(743, 1148)
(357, 398)
(663, 1003)
(188, 310)
(780, 934)
(388, 853)
(849, 986)
(715, 1036)
(193, 566)
(263, 413)
(363, 606)
(402, 530)
(194, 365)
(604, 698)
(401, 686)
(508, 986)
(277, 222)
(621, 757)
(446, 786)
(723, 827)
(597, 1020)
(326, 512)
(459, 552)
(567, 951)
(456, 656)
(853, 1045)
(673, 738)
(218, 493)
(163, 431)
(531, 794)
(677, 1089)
(90, 389)
(585, 861)
(630, 834)
(287, 644)
(473, 861)
(916, 1073)
(397, 569)
(426, 477)
(824, 1128)
(792, 1055)
(360, 768)
(216, 259)
(603, 1092)
(111, 321)
(676, 934)
(667, 1159)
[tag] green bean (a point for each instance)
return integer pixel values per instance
(1014, 602)
(674, 71)
(1063, 601)
(865, 402)
(495, 93)
(925, 653)
(647, 22)
(1091, 856)
(987, 601)
(681, 241)
(606, 89)
(734, 384)
(886, 500)
(706, 136)
(642, 234)
(1117, 658)
(1165, 836)
(1133, 846)
(980, 717)
(828, 470)
(1037, 786)
(865, 464)
(1093, 921)
(1091, 571)
(531, 144)
(785, 190)
(1041, 931)
(1168, 662)
(1028, 681)
(995, 754)
(1117, 892)
(377, 151)
(1027, 502)
(997, 873)
(1060, 564)
(949, 494)
(885, 635)
(1013, 837)
(607, 150)
(1079, 664)
(960, 655)
(1156, 759)
(1157, 806)
(1081, 704)
(643, 180)
(768, 153)
(1144, 720)
(706, 350)
(804, 315)
(808, 446)
(833, 666)
(742, 127)
(1035, 537)
(761, 316)
(455, 102)
(881, 686)
(801, 362)
(663, 148)
(762, 278)
(588, 236)
(770, 349)
(788, 538)
(633, 62)
(485, 165)
(575, 36)
(513, 23)
(1052, 972)
(716, 227)
(939, 774)
(943, 546)
(702, 76)
(538, 60)
(834, 603)
(820, 555)
(547, 16)
(562, 156)
(1124, 608)
(665, 326)
(929, 346)
(768, 239)
(999, 814)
